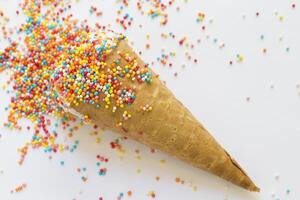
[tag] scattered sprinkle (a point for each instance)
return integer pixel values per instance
(152, 194)
(264, 50)
(19, 188)
(129, 193)
(239, 58)
(287, 49)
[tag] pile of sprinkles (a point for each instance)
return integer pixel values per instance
(58, 53)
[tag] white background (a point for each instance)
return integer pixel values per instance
(263, 134)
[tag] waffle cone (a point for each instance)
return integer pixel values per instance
(169, 127)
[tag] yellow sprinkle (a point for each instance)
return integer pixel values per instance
(98, 140)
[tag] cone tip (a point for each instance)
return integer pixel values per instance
(255, 189)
